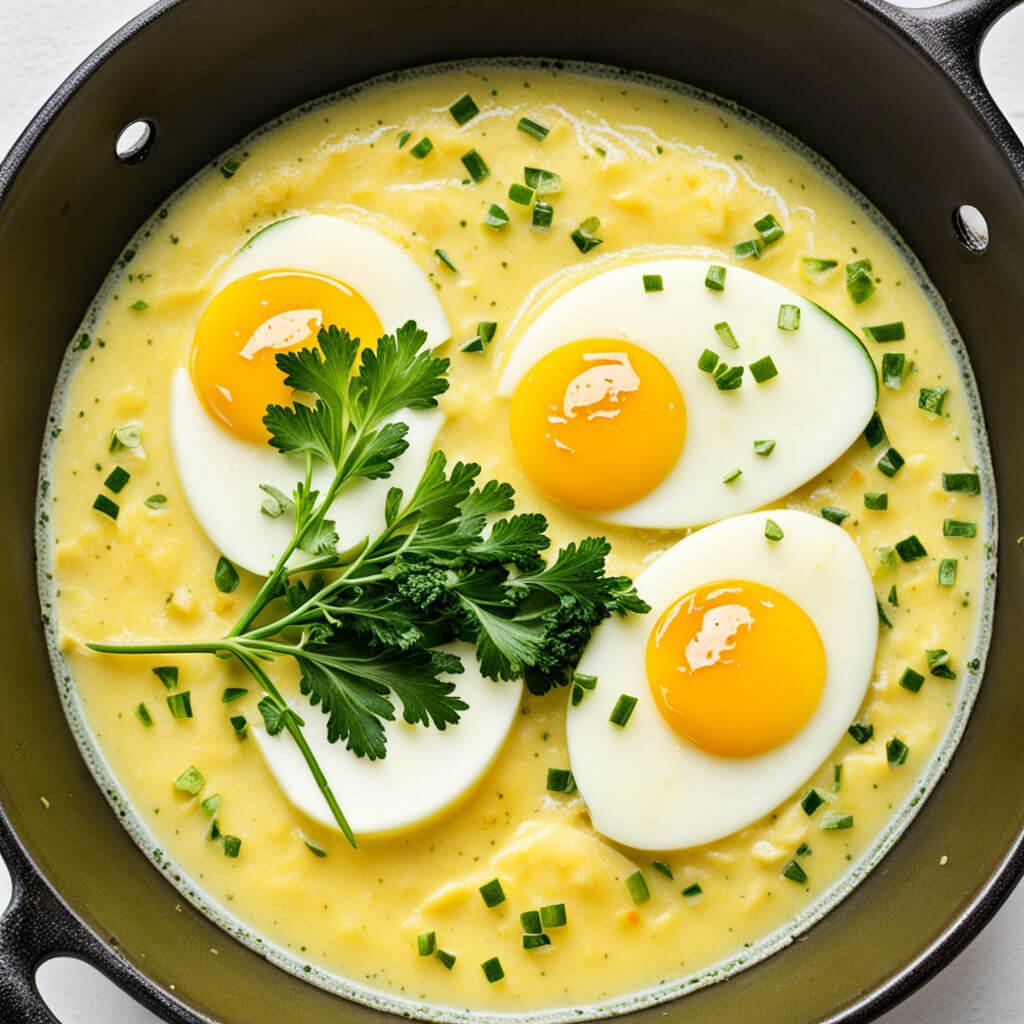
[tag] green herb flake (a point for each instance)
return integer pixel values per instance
(707, 361)
(168, 675)
(764, 447)
(446, 958)
(422, 148)
(156, 501)
(763, 369)
(772, 530)
(811, 801)
(662, 868)
(585, 236)
(232, 846)
(553, 915)
(623, 710)
(116, 480)
(725, 335)
(882, 617)
(541, 181)
(520, 194)
(789, 317)
(535, 941)
(143, 715)
(128, 436)
(475, 165)
(894, 366)
(190, 781)
(225, 576)
(959, 528)
(542, 216)
(885, 333)
(426, 943)
(794, 872)
(803, 850)
(814, 267)
(230, 167)
(403, 138)
(464, 109)
(715, 279)
(529, 921)
(653, 283)
(887, 556)
(180, 704)
(896, 752)
(496, 217)
(837, 778)
(485, 331)
(876, 501)
(860, 285)
(947, 572)
(751, 248)
(931, 400)
(893, 597)
(891, 462)
(911, 680)
(492, 893)
(493, 971)
(834, 515)
(961, 483)
(530, 127)
(910, 548)
(874, 432)
(836, 820)
(938, 663)
(139, 305)
(727, 378)
(691, 891)
(239, 724)
(769, 229)
(446, 260)
(560, 780)
(103, 504)
(636, 886)
(276, 502)
(733, 475)
(861, 732)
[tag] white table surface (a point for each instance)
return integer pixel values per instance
(42, 42)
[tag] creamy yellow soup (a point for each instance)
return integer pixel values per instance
(667, 172)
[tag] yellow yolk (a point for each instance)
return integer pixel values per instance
(598, 424)
(248, 322)
(736, 667)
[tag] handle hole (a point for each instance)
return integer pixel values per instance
(971, 228)
(77, 993)
(135, 141)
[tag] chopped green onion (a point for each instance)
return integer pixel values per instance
(860, 285)
(536, 941)
(230, 167)
(734, 474)
(708, 361)
(911, 680)
(728, 378)
(938, 663)
(463, 110)
(959, 528)
(623, 710)
(772, 530)
(531, 127)
(585, 237)
(128, 436)
(882, 617)
(560, 780)
(725, 335)
(763, 369)
(475, 165)
(211, 805)
(896, 752)
(836, 820)
(861, 732)
(233, 693)
(422, 148)
(492, 893)
(117, 478)
(446, 260)
(168, 675)
(485, 331)
(314, 847)
(910, 548)
(894, 366)
(541, 181)
(661, 867)
(947, 572)
(426, 943)
(891, 462)
(884, 333)
(139, 305)
(276, 502)
(692, 890)
(495, 217)
(106, 506)
(811, 801)
(580, 684)
(764, 447)
(803, 850)
(225, 576)
(238, 723)
(794, 872)
(493, 971)
(653, 283)
(180, 704)
(789, 317)
(837, 778)
(769, 229)
(834, 515)
(715, 279)
(961, 483)
(887, 556)
(874, 432)
(529, 921)
(893, 597)
(446, 958)
(214, 832)
(232, 846)
(543, 214)
(877, 501)
(744, 250)
(813, 266)
(190, 781)
(520, 194)
(636, 886)
(144, 716)
(553, 915)
(403, 138)
(932, 399)
(155, 501)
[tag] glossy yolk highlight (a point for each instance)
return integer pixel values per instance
(248, 322)
(736, 667)
(598, 424)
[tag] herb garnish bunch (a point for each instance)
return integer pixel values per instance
(364, 621)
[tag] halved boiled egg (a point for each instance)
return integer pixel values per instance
(752, 663)
(289, 280)
(638, 394)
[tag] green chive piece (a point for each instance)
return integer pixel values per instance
(763, 369)
(560, 780)
(155, 501)
(493, 971)
(860, 285)
(715, 279)
(961, 483)
(836, 820)
(117, 479)
(877, 501)
(190, 781)
(959, 528)
(543, 214)
(214, 832)
(536, 941)
(834, 515)
(403, 138)
(894, 365)
(789, 317)
(225, 576)
(238, 723)
(734, 474)
(814, 267)
(623, 710)
(106, 506)
(139, 305)
(887, 556)
(232, 846)
(910, 548)
(896, 752)
(446, 958)
(168, 675)
(475, 165)
(893, 597)
(803, 850)
(661, 867)
(938, 663)
(542, 182)
(708, 361)
(728, 378)
(794, 873)
(180, 704)
(653, 283)
(861, 732)
(769, 229)
(463, 110)
(947, 572)
(585, 236)
(764, 447)
(744, 250)
(692, 890)
(932, 399)
(725, 335)
(422, 148)
(587, 682)
(520, 194)
(885, 333)
(144, 716)
(911, 680)
(495, 217)
(233, 693)
(531, 127)
(553, 915)
(772, 530)
(446, 260)
(426, 943)
(314, 847)
(891, 462)
(882, 617)
(636, 886)
(874, 432)
(211, 805)
(492, 893)
(837, 778)
(811, 801)
(128, 436)
(230, 167)
(529, 921)
(276, 502)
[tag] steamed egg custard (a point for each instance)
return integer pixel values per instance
(516, 541)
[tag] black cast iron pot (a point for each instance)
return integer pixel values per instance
(893, 98)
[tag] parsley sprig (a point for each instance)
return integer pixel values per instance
(366, 625)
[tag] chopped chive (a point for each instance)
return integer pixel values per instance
(463, 110)
(276, 502)
(553, 915)
(887, 556)
(106, 506)
(813, 266)
(834, 515)
(725, 335)
(931, 400)
(180, 704)
(116, 480)
(536, 941)
(493, 971)
(836, 820)
(764, 447)
(139, 305)
(803, 850)
(492, 893)
(763, 369)
(144, 716)
(938, 663)
(422, 148)
(653, 283)
(587, 682)
(155, 501)
(884, 333)
(446, 958)
(543, 214)
(485, 331)
(211, 805)
(585, 236)
(837, 778)
(233, 693)
(214, 832)
(789, 317)
(708, 361)
(542, 182)
(520, 194)
(661, 867)
(475, 165)
(861, 732)
(623, 710)
(896, 752)
(769, 229)
(894, 366)
(893, 597)
(874, 432)
(692, 890)
(232, 846)
(772, 530)
(961, 483)
(715, 279)
(190, 781)
(910, 548)
(877, 501)
(128, 436)
(860, 285)
(748, 248)
(728, 378)
(794, 872)
(882, 617)
(531, 127)
(495, 217)
(636, 886)
(959, 528)
(734, 474)
(225, 576)
(560, 780)
(403, 138)
(238, 723)
(426, 943)
(947, 572)
(811, 801)
(911, 680)
(314, 848)
(230, 167)
(446, 260)
(891, 462)
(168, 675)
(529, 921)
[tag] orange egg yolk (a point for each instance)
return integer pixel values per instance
(248, 322)
(598, 424)
(736, 667)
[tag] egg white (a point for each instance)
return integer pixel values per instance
(814, 409)
(645, 785)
